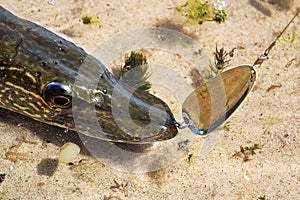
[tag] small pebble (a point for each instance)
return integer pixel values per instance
(68, 153)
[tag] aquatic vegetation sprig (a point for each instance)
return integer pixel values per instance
(247, 152)
(220, 16)
(221, 60)
(135, 71)
(287, 41)
(199, 11)
(90, 20)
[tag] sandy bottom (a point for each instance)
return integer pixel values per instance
(270, 116)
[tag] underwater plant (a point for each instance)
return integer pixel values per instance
(90, 20)
(199, 11)
(137, 78)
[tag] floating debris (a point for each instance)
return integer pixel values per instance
(290, 63)
(120, 186)
(274, 86)
(15, 155)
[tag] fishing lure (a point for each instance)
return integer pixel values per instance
(211, 104)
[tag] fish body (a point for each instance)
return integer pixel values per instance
(50, 79)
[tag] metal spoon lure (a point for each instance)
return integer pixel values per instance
(211, 104)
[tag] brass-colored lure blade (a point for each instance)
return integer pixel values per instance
(214, 101)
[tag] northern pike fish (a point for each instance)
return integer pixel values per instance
(38, 69)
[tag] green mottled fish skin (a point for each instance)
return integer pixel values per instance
(32, 57)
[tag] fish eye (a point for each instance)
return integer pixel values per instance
(58, 95)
